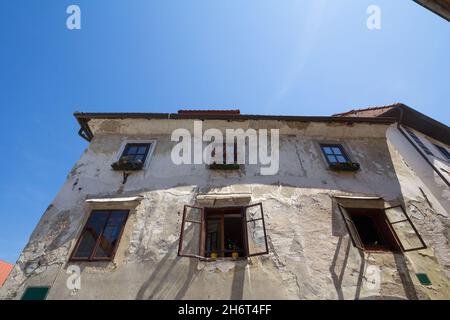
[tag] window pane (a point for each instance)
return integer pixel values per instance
(327, 150)
(108, 241)
(337, 150)
(142, 150)
(332, 159)
(395, 214)
(132, 150)
(90, 234)
(193, 214)
(213, 236)
(341, 159)
(190, 244)
(139, 158)
(111, 234)
(407, 236)
(256, 238)
(35, 293)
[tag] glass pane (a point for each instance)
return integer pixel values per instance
(139, 158)
(190, 243)
(253, 212)
(327, 150)
(117, 218)
(213, 236)
(395, 214)
(256, 238)
(132, 150)
(354, 234)
(142, 150)
(332, 159)
(108, 241)
(341, 159)
(91, 232)
(407, 236)
(193, 214)
(337, 150)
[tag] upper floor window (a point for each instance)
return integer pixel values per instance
(419, 142)
(100, 236)
(334, 153)
(444, 152)
(133, 157)
(229, 157)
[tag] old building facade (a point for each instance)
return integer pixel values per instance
(355, 211)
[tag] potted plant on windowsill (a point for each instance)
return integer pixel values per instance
(345, 166)
(128, 164)
(235, 253)
(213, 255)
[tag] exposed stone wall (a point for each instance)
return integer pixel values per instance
(311, 255)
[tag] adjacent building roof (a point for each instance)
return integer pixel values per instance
(5, 269)
(440, 7)
(407, 116)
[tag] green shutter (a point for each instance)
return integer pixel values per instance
(35, 293)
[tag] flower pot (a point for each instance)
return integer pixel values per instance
(235, 255)
(213, 255)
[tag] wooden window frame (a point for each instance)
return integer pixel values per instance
(356, 239)
(224, 154)
(94, 250)
(334, 145)
(202, 235)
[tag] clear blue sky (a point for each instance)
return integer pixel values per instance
(297, 57)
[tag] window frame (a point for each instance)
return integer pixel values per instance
(202, 235)
(443, 151)
(356, 239)
(93, 252)
(150, 151)
(334, 145)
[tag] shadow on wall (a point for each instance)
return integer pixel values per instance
(170, 279)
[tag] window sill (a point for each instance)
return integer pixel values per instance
(346, 166)
(231, 166)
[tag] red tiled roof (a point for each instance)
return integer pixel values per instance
(5, 269)
(367, 112)
(209, 112)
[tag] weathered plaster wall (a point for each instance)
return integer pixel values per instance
(311, 255)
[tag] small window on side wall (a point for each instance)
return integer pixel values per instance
(337, 158)
(101, 235)
(133, 157)
(388, 229)
(443, 151)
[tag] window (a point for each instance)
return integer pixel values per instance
(419, 142)
(136, 151)
(334, 153)
(223, 231)
(35, 293)
(381, 229)
(100, 236)
(444, 152)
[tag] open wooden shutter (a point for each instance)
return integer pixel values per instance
(404, 230)
(351, 228)
(255, 230)
(191, 231)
